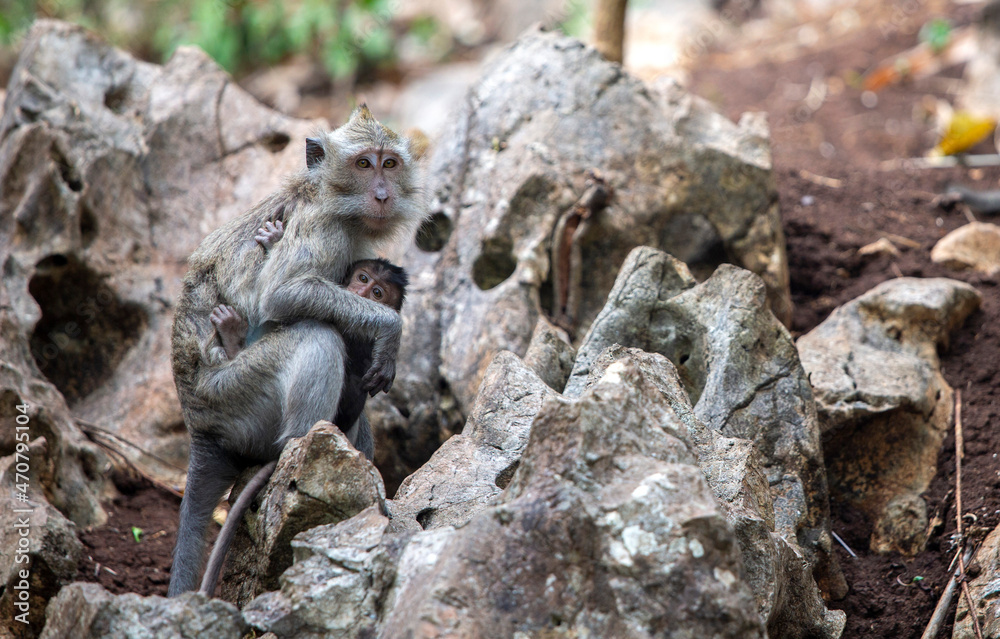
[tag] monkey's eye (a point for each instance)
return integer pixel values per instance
(363, 278)
(377, 293)
(364, 163)
(388, 164)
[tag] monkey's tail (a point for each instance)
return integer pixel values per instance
(221, 548)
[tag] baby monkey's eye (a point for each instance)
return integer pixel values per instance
(364, 163)
(363, 278)
(388, 164)
(377, 293)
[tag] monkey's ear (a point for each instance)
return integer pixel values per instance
(419, 143)
(314, 152)
(362, 112)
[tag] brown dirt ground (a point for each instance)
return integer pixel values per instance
(823, 238)
(825, 226)
(113, 557)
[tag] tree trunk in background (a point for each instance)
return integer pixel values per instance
(609, 28)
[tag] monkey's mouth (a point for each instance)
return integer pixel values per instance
(377, 221)
(380, 214)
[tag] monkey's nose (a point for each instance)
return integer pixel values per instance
(381, 194)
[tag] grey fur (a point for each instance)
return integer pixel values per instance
(225, 538)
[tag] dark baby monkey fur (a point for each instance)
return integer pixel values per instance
(357, 195)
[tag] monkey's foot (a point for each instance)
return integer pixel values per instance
(269, 234)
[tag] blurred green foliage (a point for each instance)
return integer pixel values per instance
(577, 22)
(239, 34)
(937, 33)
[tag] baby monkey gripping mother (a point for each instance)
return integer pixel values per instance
(377, 280)
(357, 196)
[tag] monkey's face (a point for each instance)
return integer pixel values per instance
(377, 172)
(365, 174)
(366, 284)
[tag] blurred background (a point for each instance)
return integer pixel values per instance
(307, 57)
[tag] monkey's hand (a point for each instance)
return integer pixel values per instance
(269, 234)
(382, 372)
(380, 376)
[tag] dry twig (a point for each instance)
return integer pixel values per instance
(844, 544)
(820, 180)
(959, 453)
(101, 436)
(941, 611)
(944, 162)
(958, 576)
(90, 429)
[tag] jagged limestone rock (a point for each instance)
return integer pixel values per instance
(974, 246)
(883, 405)
(742, 372)
(320, 479)
(607, 516)
(472, 468)
(88, 610)
(546, 112)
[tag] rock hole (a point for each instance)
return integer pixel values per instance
(52, 261)
(67, 171)
(275, 141)
(88, 226)
(433, 234)
(9, 401)
(547, 296)
(115, 98)
(503, 479)
(85, 329)
(425, 517)
(682, 360)
(495, 263)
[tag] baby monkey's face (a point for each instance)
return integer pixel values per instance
(366, 283)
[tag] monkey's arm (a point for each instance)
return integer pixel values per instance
(313, 297)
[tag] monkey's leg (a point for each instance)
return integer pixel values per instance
(312, 377)
(360, 434)
(225, 539)
(210, 472)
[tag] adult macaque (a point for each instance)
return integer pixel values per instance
(357, 195)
